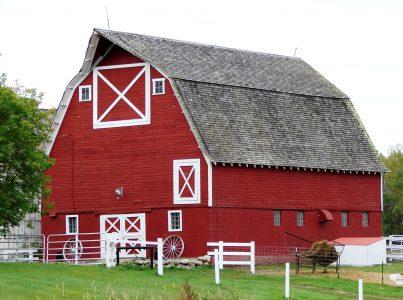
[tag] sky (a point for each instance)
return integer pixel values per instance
(356, 44)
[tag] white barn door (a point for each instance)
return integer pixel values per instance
(128, 227)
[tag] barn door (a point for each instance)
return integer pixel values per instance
(128, 229)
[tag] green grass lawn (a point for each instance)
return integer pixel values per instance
(62, 281)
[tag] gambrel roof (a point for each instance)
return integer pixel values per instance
(255, 108)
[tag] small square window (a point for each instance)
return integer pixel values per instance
(300, 218)
(85, 93)
(365, 221)
(71, 224)
(159, 86)
(344, 219)
(175, 220)
(277, 217)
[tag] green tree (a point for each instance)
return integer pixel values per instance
(23, 130)
(393, 192)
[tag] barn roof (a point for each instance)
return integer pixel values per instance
(248, 107)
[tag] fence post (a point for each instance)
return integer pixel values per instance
(216, 267)
(252, 257)
(43, 248)
(75, 250)
(360, 290)
(221, 256)
(109, 253)
(287, 280)
(47, 249)
(160, 258)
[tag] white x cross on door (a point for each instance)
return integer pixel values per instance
(121, 95)
(127, 230)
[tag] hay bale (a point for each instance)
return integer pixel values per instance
(322, 253)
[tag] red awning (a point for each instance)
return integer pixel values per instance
(325, 216)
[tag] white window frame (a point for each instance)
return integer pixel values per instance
(155, 86)
(177, 164)
(170, 212)
(68, 224)
(80, 92)
(277, 217)
(144, 119)
(344, 219)
(365, 219)
(300, 218)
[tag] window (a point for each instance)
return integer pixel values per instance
(300, 218)
(71, 224)
(277, 217)
(365, 219)
(186, 181)
(159, 86)
(344, 219)
(85, 93)
(175, 220)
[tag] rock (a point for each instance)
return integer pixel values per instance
(397, 278)
(186, 267)
(185, 261)
(205, 258)
(197, 263)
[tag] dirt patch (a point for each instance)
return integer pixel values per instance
(368, 277)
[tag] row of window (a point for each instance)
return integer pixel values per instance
(85, 94)
(174, 222)
(300, 218)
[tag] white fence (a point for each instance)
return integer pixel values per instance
(75, 248)
(22, 248)
(97, 248)
(394, 247)
(237, 258)
(111, 253)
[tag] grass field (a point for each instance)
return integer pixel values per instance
(61, 281)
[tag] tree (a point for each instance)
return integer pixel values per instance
(393, 192)
(24, 128)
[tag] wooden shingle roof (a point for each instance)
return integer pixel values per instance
(248, 107)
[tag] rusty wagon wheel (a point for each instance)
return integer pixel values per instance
(172, 247)
(72, 250)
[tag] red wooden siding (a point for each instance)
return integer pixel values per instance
(91, 163)
(263, 190)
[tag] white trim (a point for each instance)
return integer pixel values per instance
(382, 192)
(170, 212)
(195, 190)
(68, 224)
(163, 86)
(209, 181)
(80, 93)
(143, 119)
(121, 66)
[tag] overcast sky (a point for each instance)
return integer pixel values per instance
(357, 45)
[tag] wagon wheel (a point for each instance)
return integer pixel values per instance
(172, 247)
(72, 250)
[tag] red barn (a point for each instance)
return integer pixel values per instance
(157, 137)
